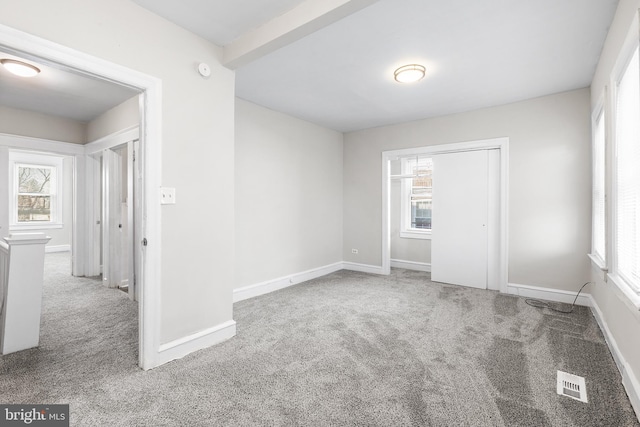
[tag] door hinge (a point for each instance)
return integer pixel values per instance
(134, 155)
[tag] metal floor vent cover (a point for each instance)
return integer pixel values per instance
(572, 386)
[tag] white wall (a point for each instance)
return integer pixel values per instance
(27, 123)
(288, 195)
(120, 117)
(197, 143)
(549, 196)
(622, 319)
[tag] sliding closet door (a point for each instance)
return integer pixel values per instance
(460, 219)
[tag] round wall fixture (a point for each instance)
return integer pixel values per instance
(409, 73)
(204, 69)
(20, 68)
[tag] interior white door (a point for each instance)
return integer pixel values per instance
(111, 219)
(459, 236)
(133, 208)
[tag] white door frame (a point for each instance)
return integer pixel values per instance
(25, 44)
(501, 144)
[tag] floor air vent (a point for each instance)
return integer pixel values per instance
(572, 386)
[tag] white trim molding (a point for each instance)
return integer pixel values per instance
(246, 292)
(549, 294)
(181, 347)
(27, 143)
(629, 379)
(364, 268)
(411, 265)
(113, 140)
(57, 248)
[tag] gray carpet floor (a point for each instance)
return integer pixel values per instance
(345, 349)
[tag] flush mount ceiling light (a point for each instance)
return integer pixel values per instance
(20, 68)
(409, 73)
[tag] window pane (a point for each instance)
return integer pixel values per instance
(421, 214)
(421, 193)
(34, 208)
(34, 180)
(628, 175)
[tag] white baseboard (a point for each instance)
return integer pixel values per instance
(181, 347)
(363, 268)
(58, 248)
(411, 265)
(629, 380)
(549, 294)
(262, 288)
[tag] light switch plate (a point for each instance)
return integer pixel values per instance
(167, 196)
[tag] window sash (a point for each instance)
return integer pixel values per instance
(41, 219)
(416, 191)
(627, 175)
(46, 212)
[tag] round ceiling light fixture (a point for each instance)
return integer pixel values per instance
(409, 73)
(20, 68)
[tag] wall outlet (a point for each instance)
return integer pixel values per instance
(354, 251)
(167, 196)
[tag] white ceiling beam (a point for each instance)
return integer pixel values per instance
(285, 29)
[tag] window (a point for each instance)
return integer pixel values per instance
(598, 249)
(416, 198)
(626, 176)
(36, 193)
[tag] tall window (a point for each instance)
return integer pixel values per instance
(35, 182)
(627, 176)
(598, 233)
(416, 197)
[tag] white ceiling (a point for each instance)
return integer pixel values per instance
(477, 54)
(60, 93)
(220, 21)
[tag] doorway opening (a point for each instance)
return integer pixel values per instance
(43, 51)
(116, 179)
(496, 242)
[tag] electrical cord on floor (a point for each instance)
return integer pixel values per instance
(543, 304)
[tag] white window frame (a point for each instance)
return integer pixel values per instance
(632, 43)
(406, 232)
(599, 150)
(23, 158)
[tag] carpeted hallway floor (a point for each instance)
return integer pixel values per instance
(346, 349)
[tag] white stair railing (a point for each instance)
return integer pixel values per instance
(21, 277)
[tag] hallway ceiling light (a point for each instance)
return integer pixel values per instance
(20, 68)
(409, 73)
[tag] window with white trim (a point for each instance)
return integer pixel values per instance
(626, 177)
(36, 190)
(415, 212)
(598, 245)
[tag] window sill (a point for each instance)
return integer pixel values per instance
(423, 235)
(631, 298)
(25, 227)
(599, 267)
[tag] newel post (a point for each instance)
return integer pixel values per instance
(22, 291)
